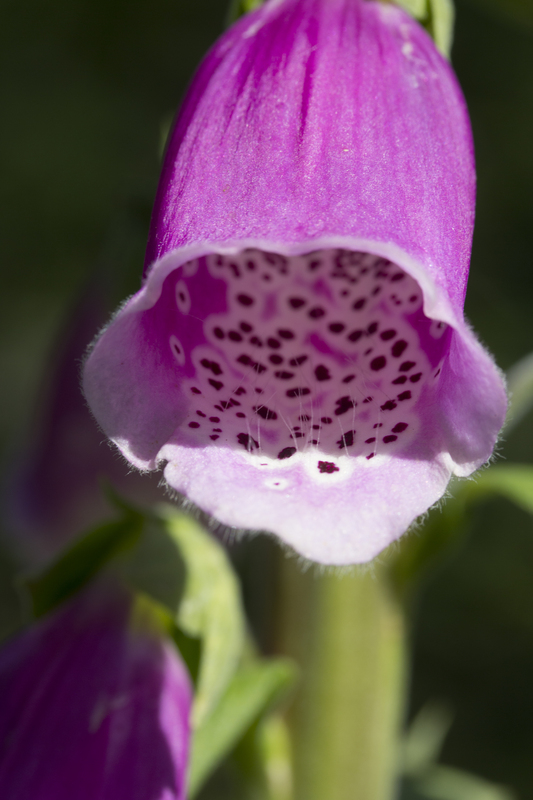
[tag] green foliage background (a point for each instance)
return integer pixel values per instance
(88, 91)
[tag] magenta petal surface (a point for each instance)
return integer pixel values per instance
(298, 354)
(92, 708)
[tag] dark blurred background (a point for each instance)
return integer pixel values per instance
(88, 91)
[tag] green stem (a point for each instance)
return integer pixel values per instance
(348, 634)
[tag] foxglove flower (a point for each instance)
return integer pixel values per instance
(95, 706)
(298, 354)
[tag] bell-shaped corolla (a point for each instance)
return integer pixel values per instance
(298, 355)
(95, 705)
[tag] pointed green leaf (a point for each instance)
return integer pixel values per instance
(446, 783)
(416, 8)
(238, 8)
(441, 22)
(254, 689)
(155, 566)
(81, 561)
(520, 386)
(513, 481)
(211, 608)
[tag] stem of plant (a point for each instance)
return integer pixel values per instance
(347, 632)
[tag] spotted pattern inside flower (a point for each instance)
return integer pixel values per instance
(325, 353)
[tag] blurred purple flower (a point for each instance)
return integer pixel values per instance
(55, 489)
(95, 706)
(298, 353)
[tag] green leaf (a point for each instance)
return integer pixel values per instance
(80, 562)
(155, 566)
(520, 386)
(440, 24)
(446, 783)
(513, 481)
(254, 689)
(210, 609)
(238, 8)
(416, 8)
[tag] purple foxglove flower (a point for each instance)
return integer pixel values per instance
(298, 353)
(95, 706)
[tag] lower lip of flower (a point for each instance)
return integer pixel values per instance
(325, 354)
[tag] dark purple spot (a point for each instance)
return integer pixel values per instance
(297, 435)
(316, 427)
(273, 343)
(368, 351)
(298, 392)
(265, 413)
(247, 441)
(240, 390)
(246, 360)
(437, 373)
(372, 328)
(314, 264)
(285, 334)
(245, 299)
(376, 291)
(194, 424)
(296, 362)
(195, 390)
(212, 365)
(368, 399)
(346, 439)
(400, 427)
(388, 439)
(369, 441)
(256, 341)
(348, 379)
(246, 327)
(259, 368)
(354, 336)
(287, 452)
(398, 277)
(215, 437)
(200, 413)
(322, 373)
(218, 408)
(216, 384)
(401, 379)
(240, 414)
(214, 419)
(398, 348)
(413, 298)
(275, 359)
(370, 456)
(337, 327)
(250, 265)
(296, 302)
(378, 425)
(234, 402)
(378, 363)
(284, 376)
(415, 378)
(344, 404)
(404, 396)
(359, 304)
(327, 467)
(235, 269)
(389, 334)
(235, 336)
(388, 406)
(316, 312)
(406, 366)
(304, 418)
(219, 333)
(325, 420)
